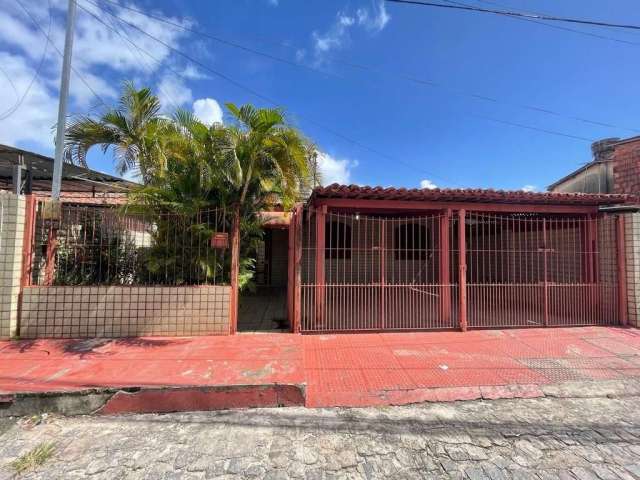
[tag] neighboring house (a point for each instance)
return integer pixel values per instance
(615, 168)
(27, 172)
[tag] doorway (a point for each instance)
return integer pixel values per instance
(265, 308)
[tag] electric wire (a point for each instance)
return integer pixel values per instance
(122, 34)
(378, 71)
(508, 13)
(270, 100)
(556, 27)
(73, 69)
(20, 99)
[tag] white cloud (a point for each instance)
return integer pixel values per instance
(173, 93)
(301, 53)
(34, 119)
(529, 188)
(207, 110)
(100, 56)
(373, 18)
(335, 170)
(274, 3)
(428, 184)
(192, 72)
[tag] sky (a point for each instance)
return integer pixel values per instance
(393, 95)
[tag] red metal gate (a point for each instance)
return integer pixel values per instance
(525, 270)
(381, 272)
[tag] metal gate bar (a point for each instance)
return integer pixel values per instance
(377, 272)
(527, 270)
(442, 270)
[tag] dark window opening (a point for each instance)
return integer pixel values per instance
(411, 242)
(337, 240)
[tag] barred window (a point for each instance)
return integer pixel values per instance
(411, 241)
(337, 240)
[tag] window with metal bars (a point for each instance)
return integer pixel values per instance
(337, 241)
(411, 241)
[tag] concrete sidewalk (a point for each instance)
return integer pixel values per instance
(202, 373)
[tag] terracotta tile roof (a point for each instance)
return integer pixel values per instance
(466, 195)
(275, 219)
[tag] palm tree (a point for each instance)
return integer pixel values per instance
(200, 170)
(139, 135)
(270, 155)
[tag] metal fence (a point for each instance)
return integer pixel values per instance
(379, 273)
(525, 270)
(382, 272)
(89, 245)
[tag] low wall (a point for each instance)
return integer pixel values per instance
(632, 251)
(11, 238)
(115, 311)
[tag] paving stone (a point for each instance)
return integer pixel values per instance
(520, 439)
(584, 473)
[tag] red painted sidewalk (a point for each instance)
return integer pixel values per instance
(345, 369)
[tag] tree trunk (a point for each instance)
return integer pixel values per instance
(246, 184)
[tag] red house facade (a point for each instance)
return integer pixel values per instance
(373, 258)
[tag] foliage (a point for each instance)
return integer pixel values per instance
(256, 162)
(140, 137)
(179, 253)
(34, 458)
(108, 257)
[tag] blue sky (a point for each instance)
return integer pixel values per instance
(399, 132)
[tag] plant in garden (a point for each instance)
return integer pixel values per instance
(186, 167)
(95, 252)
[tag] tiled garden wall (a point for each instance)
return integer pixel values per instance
(11, 238)
(116, 311)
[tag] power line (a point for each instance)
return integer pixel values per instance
(268, 99)
(76, 72)
(536, 129)
(125, 36)
(221, 40)
(509, 13)
(549, 25)
(19, 101)
(324, 127)
(378, 71)
(13, 86)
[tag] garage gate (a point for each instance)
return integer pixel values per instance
(457, 269)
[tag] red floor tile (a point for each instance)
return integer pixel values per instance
(564, 348)
(344, 369)
(384, 379)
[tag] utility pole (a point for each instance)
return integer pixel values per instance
(56, 181)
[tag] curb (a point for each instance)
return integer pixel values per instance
(152, 400)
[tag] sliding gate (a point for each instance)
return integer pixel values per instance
(380, 272)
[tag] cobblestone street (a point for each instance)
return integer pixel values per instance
(546, 438)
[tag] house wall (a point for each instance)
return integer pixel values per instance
(597, 178)
(626, 167)
(279, 257)
(632, 251)
(12, 210)
(123, 311)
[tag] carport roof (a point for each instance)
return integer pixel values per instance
(75, 179)
(465, 195)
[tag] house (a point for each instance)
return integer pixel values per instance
(350, 258)
(374, 258)
(615, 168)
(25, 172)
